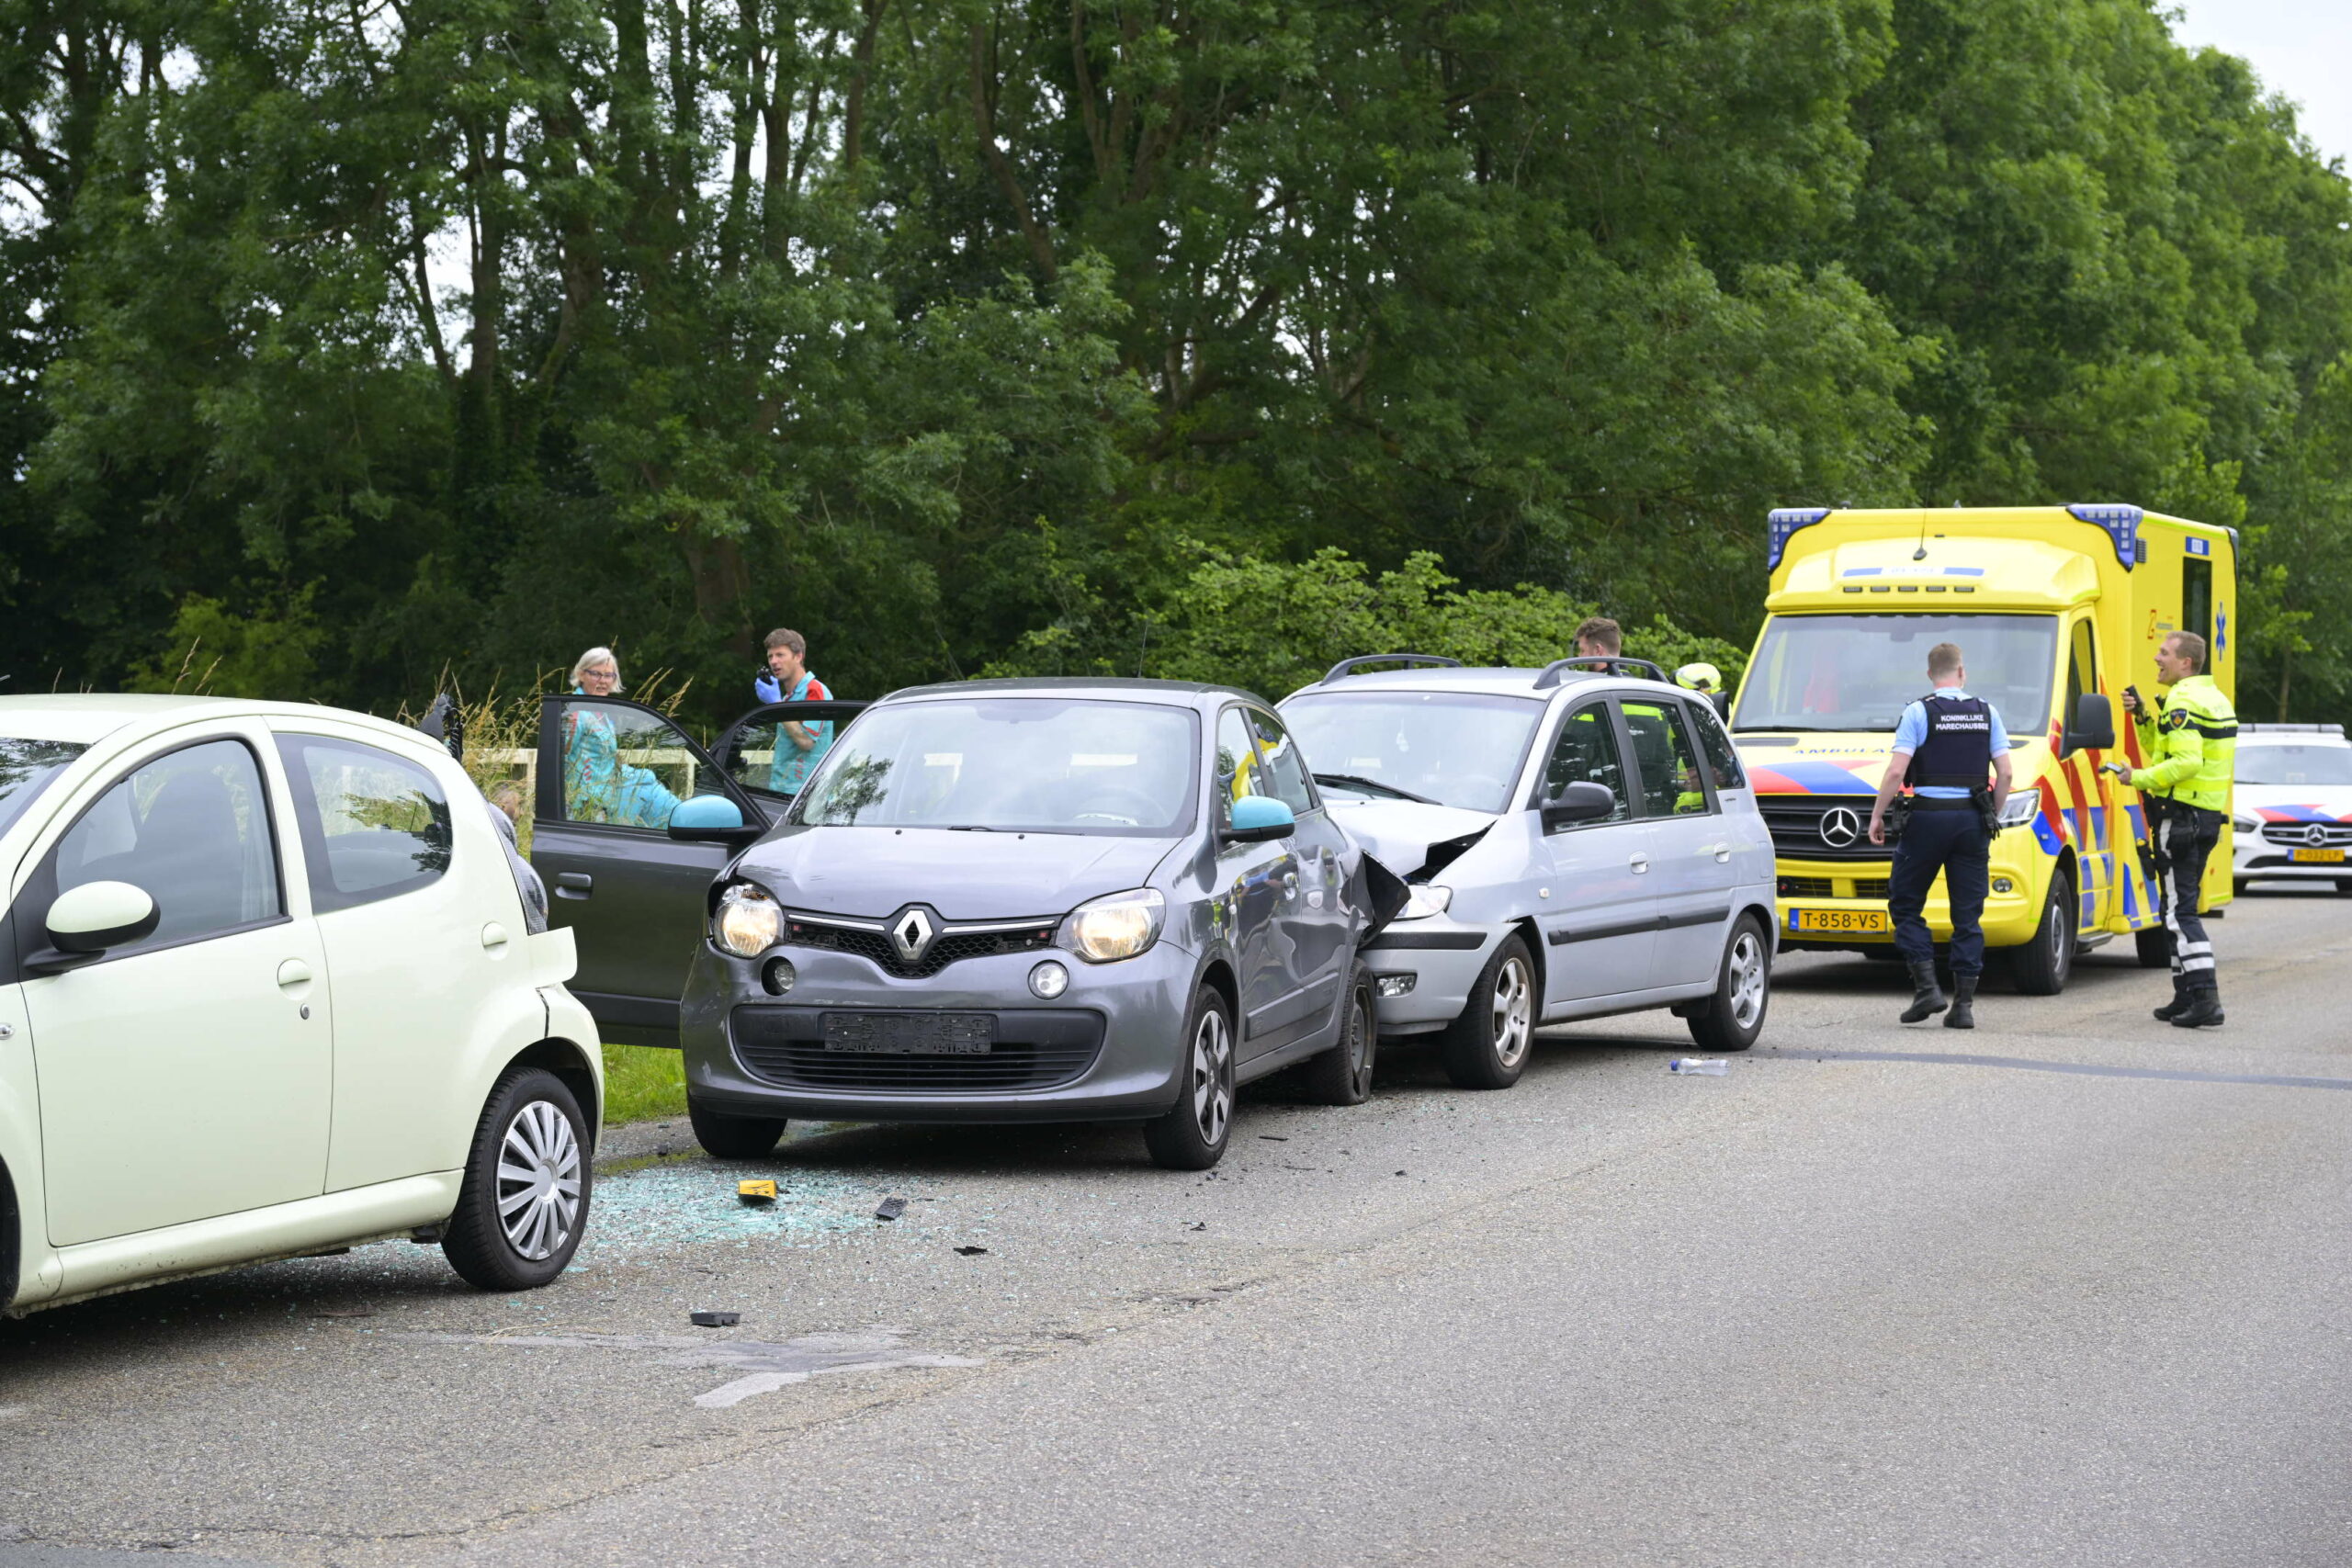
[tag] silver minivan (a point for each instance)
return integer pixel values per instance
(1578, 841)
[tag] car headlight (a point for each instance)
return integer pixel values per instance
(1424, 901)
(2244, 824)
(2022, 807)
(1119, 925)
(749, 921)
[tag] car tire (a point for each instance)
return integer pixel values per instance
(1193, 1132)
(2152, 945)
(724, 1136)
(2039, 968)
(2344, 885)
(1488, 1045)
(1734, 1016)
(523, 1204)
(1342, 1075)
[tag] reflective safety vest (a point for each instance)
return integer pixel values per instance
(2191, 741)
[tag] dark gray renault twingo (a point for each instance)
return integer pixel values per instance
(1036, 901)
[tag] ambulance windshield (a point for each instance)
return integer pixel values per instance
(1855, 672)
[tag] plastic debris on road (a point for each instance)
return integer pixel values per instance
(891, 1209)
(971, 1252)
(714, 1319)
(755, 1191)
(1711, 1066)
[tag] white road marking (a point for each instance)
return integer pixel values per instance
(764, 1367)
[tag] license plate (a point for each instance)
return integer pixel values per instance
(1871, 920)
(2319, 857)
(910, 1033)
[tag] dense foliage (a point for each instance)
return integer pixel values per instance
(1198, 337)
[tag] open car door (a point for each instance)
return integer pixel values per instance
(611, 773)
(771, 752)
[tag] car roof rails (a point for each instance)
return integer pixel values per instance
(1350, 666)
(1609, 664)
(2293, 728)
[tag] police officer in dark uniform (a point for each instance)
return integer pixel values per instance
(1951, 749)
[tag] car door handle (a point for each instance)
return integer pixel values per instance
(293, 976)
(573, 884)
(1721, 851)
(493, 939)
(1640, 863)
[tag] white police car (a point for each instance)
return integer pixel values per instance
(1577, 843)
(2292, 808)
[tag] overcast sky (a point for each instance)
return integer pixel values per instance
(2301, 48)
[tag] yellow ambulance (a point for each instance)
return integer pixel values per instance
(2056, 610)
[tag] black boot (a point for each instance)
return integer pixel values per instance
(2204, 1009)
(2179, 1003)
(1927, 998)
(1964, 1003)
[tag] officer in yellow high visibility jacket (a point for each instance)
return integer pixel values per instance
(2192, 739)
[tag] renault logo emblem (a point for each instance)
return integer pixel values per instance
(1840, 827)
(910, 933)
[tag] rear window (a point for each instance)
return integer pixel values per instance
(374, 825)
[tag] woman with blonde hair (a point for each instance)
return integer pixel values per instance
(597, 785)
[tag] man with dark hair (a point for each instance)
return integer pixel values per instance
(1945, 746)
(799, 746)
(2191, 736)
(1600, 637)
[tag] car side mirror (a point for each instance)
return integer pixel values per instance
(2091, 727)
(712, 820)
(1258, 817)
(1581, 802)
(84, 922)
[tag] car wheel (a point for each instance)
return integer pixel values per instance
(1192, 1135)
(723, 1137)
(1342, 1075)
(523, 1203)
(2153, 946)
(2042, 965)
(1735, 1014)
(2344, 884)
(1488, 1045)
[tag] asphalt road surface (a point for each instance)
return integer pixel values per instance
(2081, 1297)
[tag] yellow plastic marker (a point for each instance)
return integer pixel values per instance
(755, 1191)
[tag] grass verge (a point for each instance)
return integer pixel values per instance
(642, 1083)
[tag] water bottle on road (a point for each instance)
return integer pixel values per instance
(1713, 1066)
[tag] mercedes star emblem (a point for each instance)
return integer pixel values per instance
(910, 933)
(1840, 827)
(2315, 835)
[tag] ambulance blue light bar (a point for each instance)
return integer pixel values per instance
(1783, 522)
(2122, 526)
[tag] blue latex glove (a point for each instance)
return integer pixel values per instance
(766, 689)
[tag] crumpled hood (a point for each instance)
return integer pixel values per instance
(872, 872)
(1398, 833)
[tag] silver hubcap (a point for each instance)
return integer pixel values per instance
(1212, 1076)
(2061, 936)
(539, 1182)
(1746, 979)
(1513, 1003)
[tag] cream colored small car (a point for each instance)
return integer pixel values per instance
(268, 986)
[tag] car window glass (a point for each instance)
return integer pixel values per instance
(26, 768)
(1587, 753)
(1237, 769)
(374, 825)
(1723, 760)
(1286, 771)
(1664, 759)
(626, 767)
(190, 828)
(2081, 670)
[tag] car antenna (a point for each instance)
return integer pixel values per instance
(1921, 553)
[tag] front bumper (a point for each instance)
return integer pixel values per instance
(1850, 893)
(1132, 1075)
(2255, 860)
(1442, 957)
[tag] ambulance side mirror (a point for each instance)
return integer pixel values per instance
(2091, 727)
